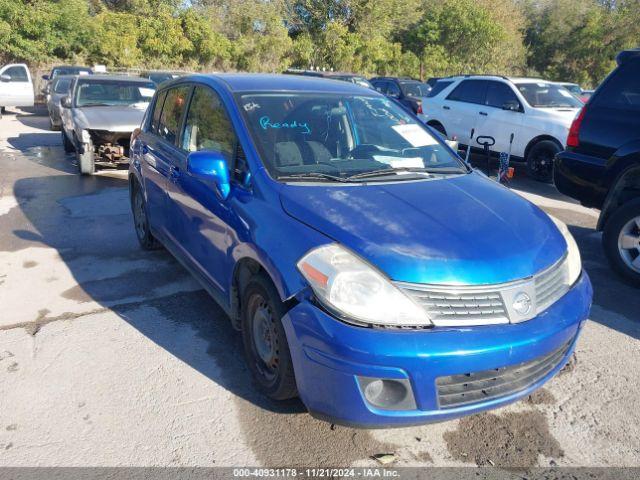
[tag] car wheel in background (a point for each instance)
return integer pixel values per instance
(265, 343)
(621, 240)
(86, 160)
(53, 126)
(540, 160)
(141, 220)
(66, 143)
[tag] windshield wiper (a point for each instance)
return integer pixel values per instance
(393, 171)
(312, 176)
(95, 105)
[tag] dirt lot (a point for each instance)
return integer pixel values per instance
(113, 356)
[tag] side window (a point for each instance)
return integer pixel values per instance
(17, 74)
(499, 94)
(157, 110)
(380, 86)
(393, 90)
(622, 91)
(207, 126)
(172, 111)
(469, 91)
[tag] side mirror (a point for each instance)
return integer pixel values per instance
(65, 102)
(5, 78)
(210, 168)
(45, 77)
(512, 106)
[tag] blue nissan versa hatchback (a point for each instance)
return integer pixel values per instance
(370, 270)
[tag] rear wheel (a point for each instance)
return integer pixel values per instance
(141, 220)
(621, 240)
(540, 160)
(265, 343)
(86, 160)
(66, 143)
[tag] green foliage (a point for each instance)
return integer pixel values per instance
(573, 40)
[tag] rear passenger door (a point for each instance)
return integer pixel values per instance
(461, 110)
(160, 151)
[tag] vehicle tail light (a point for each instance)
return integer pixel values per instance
(574, 131)
(419, 110)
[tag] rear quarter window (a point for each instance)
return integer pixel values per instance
(622, 90)
(157, 111)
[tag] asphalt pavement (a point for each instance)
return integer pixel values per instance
(112, 356)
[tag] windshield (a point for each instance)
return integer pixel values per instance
(62, 85)
(573, 88)
(158, 78)
(113, 92)
(543, 94)
(363, 82)
(415, 89)
(70, 71)
(340, 136)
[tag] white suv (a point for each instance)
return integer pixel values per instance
(536, 112)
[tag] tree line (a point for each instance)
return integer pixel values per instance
(570, 40)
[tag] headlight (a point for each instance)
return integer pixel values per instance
(356, 290)
(574, 262)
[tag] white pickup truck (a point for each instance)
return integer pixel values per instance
(16, 86)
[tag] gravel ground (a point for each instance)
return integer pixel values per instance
(111, 356)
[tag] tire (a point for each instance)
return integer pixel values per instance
(437, 126)
(540, 160)
(86, 160)
(621, 241)
(66, 143)
(265, 343)
(141, 220)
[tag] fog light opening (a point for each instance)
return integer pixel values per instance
(387, 393)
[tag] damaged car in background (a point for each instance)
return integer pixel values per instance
(98, 117)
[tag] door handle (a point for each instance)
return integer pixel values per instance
(484, 114)
(445, 107)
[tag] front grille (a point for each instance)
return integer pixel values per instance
(467, 305)
(551, 284)
(459, 390)
(459, 308)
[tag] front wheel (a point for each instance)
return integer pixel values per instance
(265, 343)
(86, 160)
(621, 241)
(540, 160)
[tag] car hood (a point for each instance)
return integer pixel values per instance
(114, 119)
(563, 116)
(458, 230)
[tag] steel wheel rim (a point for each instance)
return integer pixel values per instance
(264, 339)
(629, 244)
(140, 218)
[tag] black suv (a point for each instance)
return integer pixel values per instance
(601, 165)
(406, 91)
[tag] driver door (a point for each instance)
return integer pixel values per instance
(198, 217)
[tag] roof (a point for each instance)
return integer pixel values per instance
(625, 55)
(115, 77)
(255, 82)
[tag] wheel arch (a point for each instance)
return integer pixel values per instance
(626, 187)
(248, 265)
(539, 139)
